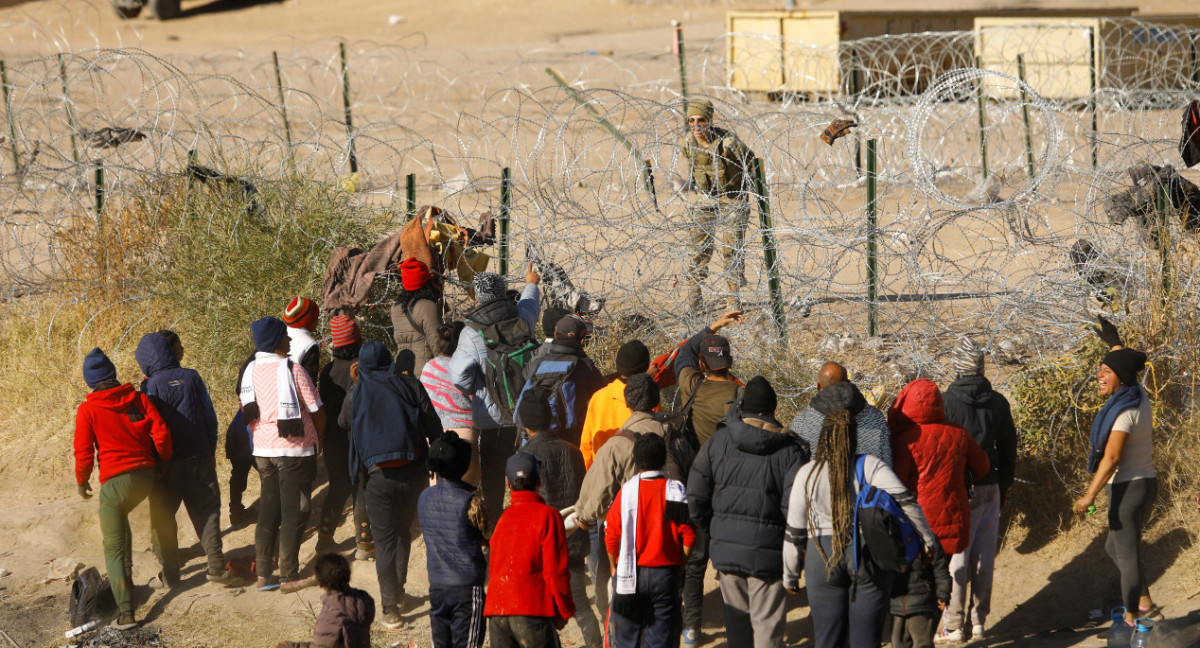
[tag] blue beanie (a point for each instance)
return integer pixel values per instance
(97, 368)
(267, 333)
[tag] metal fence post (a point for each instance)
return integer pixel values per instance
(12, 119)
(62, 70)
(1025, 115)
(352, 156)
(979, 94)
(410, 196)
(1092, 96)
(683, 86)
(287, 128)
(505, 212)
(872, 227)
(770, 249)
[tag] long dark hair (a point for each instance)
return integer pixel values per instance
(429, 291)
(835, 453)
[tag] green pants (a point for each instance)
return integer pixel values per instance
(716, 223)
(118, 496)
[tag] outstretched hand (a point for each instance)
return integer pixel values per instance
(531, 275)
(730, 317)
(1107, 332)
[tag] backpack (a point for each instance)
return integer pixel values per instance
(1189, 141)
(552, 376)
(91, 597)
(510, 346)
(882, 532)
(682, 443)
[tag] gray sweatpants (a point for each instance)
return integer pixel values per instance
(755, 610)
(977, 563)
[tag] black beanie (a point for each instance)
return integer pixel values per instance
(450, 456)
(641, 393)
(534, 410)
(633, 358)
(1126, 363)
(550, 318)
(759, 397)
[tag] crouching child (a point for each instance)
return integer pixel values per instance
(346, 612)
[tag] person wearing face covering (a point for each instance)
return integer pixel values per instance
(391, 422)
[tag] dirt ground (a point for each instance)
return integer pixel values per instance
(1047, 586)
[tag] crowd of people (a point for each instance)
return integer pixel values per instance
(548, 492)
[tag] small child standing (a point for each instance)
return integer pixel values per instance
(453, 520)
(918, 601)
(346, 612)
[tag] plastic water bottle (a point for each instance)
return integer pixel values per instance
(1119, 633)
(1141, 633)
(90, 625)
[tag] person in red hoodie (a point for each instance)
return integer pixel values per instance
(930, 456)
(123, 428)
(529, 585)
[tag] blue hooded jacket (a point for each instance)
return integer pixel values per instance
(385, 413)
(180, 396)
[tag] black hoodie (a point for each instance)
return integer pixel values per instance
(738, 489)
(971, 402)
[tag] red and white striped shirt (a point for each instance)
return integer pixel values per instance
(267, 442)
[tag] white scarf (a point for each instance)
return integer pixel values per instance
(626, 578)
(288, 415)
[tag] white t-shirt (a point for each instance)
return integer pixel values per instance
(1137, 460)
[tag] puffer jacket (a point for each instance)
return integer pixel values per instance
(930, 456)
(414, 339)
(614, 466)
(920, 591)
(738, 489)
(560, 478)
(971, 402)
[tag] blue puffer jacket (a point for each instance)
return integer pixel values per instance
(180, 396)
(453, 548)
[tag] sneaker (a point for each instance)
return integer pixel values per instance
(267, 584)
(949, 636)
(690, 638)
(392, 621)
(226, 578)
(365, 551)
(977, 632)
(124, 622)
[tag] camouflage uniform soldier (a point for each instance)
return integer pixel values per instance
(719, 177)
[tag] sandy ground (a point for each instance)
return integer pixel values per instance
(1047, 584)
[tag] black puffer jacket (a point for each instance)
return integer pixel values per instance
(971, 402)
(919, 591)
(738, 489)
(560, 477)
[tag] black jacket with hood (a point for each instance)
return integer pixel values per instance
(971, 403)
(738, 489)
(180, 396)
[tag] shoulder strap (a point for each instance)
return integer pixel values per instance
(407, 308)
(859, 464)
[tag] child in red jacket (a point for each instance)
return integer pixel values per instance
(123, 428)
(648, 538)
(529, 586)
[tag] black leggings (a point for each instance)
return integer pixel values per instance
(1129, 505)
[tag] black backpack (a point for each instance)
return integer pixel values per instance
(884, 538)
(510, 346)
(552, 380)
(682, 443)
(91, 598)
(1189, 141)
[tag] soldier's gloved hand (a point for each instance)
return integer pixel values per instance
(84, 490)
(1107, 332)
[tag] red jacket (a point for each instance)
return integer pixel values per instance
(527, 571)
(929, 455)
(660, 540)
(123, 426)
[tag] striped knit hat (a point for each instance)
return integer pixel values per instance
(345, 331)
(301, 312)
(967, 358)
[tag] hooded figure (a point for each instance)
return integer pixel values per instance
(874, 438)
(181, 397)
(931, 456)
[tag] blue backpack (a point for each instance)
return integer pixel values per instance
(552, 379)
(881, 529)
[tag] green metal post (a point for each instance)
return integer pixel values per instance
(683, 86)
(1092, 96)
(643, 165)
(62, 70)
(505, 211)
(99, 191)
(346, 103)
(854, 90)
(287, 127)
(770, 249)
(1025, 115)
(983, 124)
(410, 196)
(872, 226)
(1163, 203)
(1192, 47)
(12, 119)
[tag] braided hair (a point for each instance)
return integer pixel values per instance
(835, 454)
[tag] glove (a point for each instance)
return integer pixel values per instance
(1107, 332)
(84, 490)
(836, 130)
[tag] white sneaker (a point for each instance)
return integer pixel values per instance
(945, 636)
(977, 632)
